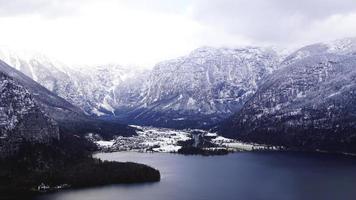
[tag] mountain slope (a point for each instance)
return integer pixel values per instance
(70, 118)
(21, 119)
(196, 90)
(308, 104)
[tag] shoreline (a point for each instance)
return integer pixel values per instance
(316, 152)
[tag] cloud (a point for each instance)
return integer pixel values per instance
(44, 8)
(62, 8)
(271, 21)
(143, 32)
(162, 6)
(105, 31)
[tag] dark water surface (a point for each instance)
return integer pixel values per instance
(250, 176)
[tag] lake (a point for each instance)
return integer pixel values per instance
(251, 176)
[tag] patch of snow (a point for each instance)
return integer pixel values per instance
(105, 144)
(211, 134)
(98, 113)
(167, 148)
(301, 95)
(107, 106)
(179, 119)
(221, 139)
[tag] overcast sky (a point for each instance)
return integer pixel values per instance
(139, 32)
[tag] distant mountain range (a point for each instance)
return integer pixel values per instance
(304, 99)
(196, 90)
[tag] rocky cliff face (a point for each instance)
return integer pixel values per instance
(21, 119)
(196, 90)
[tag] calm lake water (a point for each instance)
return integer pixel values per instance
(250, 176)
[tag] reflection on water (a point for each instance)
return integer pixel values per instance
(274, 175)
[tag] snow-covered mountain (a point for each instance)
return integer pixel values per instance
(196, 90)
(305, 99)
(70, 118)
(89, 88)
(309, 103)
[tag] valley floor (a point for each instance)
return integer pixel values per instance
(151, 139)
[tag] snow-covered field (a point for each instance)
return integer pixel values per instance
(151, 139)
